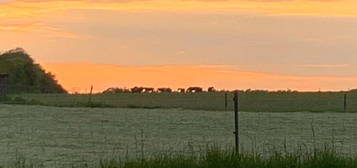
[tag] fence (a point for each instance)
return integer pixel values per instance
(176, 122)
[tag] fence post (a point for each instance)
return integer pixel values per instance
(345, 102)
(236, 121)
(90, 95)
(225, 101)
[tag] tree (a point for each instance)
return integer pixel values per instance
(25, 76)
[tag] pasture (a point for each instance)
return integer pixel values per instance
(254, 101)
(61, 137)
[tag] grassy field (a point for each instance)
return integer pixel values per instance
(217, 158)
(58, 137)
(249, 101)
(222, 159)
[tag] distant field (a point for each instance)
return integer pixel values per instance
(249, 101)
(65, 136)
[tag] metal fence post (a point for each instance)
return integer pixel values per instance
(236, 121)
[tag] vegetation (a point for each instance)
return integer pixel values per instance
(25, 76)
(216, 158)
(250, 101)
(64, 136)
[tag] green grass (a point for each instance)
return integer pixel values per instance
(249, 101)
(215, 158)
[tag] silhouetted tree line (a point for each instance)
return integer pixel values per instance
(25, 76)
(198, 90)
(137, 89)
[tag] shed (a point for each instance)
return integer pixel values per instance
(3, 84)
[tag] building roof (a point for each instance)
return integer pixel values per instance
(4, 75)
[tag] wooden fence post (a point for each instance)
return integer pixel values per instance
(90, 95)
(236, 121)
(345, 102)
(225, 101)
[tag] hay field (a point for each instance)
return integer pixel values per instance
(61, 137)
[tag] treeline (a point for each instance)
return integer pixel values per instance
(137, 89)
(195, 89)
(25, 76)
(158, 90)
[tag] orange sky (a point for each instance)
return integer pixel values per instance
(80, 76)
(263, 44)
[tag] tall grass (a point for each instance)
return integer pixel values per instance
(216, 158)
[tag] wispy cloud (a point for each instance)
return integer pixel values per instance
(35, 10)
(17, 8)
(38, 28)
(325, 65)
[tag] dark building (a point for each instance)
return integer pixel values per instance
(3, 84)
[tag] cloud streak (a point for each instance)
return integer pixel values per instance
(25, 10)
(37, 28)
(325, 66)
(269, 7)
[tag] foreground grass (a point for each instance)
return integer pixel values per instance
(220, 159)
(216, 158)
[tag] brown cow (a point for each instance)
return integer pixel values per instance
(211, 89)
(181, 90)
(137, 89)
(148, 90)
(161, 90)
(194, 89)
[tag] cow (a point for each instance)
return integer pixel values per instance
(137, 89)
(181, 90)
(148, 90)
(211, 89)
(161, 90)
(194, 90)
(116, 90)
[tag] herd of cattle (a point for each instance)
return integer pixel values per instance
(158, 90)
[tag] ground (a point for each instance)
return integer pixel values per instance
(66, 136)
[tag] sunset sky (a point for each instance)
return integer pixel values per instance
(229, 44)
